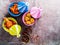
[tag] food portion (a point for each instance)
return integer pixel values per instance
(8, 23)
(14, 9)
(29, 19)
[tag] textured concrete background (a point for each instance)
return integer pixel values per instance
(48, 26)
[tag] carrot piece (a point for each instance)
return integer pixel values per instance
(8, 23)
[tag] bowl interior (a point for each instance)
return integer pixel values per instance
(24, 20)
(10, 10)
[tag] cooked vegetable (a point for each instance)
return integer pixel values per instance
(28, 19)
(28, 22)
(8, 23)
(14, 9)
(28, 15)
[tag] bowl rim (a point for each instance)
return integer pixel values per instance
(24, 21)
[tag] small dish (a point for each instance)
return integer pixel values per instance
(21, 7)
(3, 23)
(23, 19)
(12, 14)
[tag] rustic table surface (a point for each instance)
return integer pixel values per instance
(47, 27)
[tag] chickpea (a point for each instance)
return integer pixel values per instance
(32, 20)
(9, 24)
(28, 22)
(28, 15)
(14, 9)
(27, 18)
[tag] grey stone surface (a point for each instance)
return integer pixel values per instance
(48, 26)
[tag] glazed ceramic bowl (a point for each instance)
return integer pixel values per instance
(12, 14)
(14, 30)
(3, 23)
(24, 20)
(22, 8)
